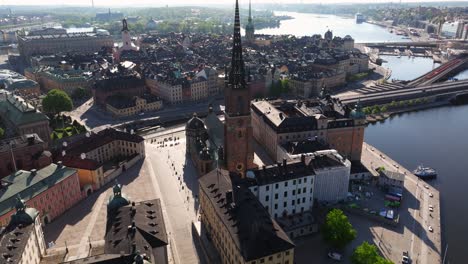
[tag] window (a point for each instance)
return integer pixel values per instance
(299, 191)
(267, 198)
(285, 194)
(286, 253)
(276, 186)
(303, 199)
(262, 260)
(300, 181)
(294, 192)
(298, 201)
(294, 182)
(285, 204)
(267, 187)
(276, 196)
(285, 184)
(304, 190)
(293, 202)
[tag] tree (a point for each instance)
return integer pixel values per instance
(337, 229)
(367, 254)
(80, 93)
(384, 108)
(57, 101)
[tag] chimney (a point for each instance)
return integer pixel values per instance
(264, 168)
(284, 163)
(133, 248)
(33, 172)
(59, 164)
(229, 198)
(303, 159)
(279, 164)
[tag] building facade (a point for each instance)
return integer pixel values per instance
(21, 118)
(70, 42)
(52, 190)
(121, 107)
(23, 153)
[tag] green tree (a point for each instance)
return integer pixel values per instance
(368, 254)
(80, 93)
(57, 101)
(375, 109)
(384, 108)
(393, 104)
(337, 229)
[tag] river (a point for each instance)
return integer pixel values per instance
(435, 137)
(304, 24)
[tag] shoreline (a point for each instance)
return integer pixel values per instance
(386, 115)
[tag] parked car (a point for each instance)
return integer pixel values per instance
(334, 256)
(430, 229)
(405, 259)
(431, 195)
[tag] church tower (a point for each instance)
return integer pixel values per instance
(238, 140)
(250, 29)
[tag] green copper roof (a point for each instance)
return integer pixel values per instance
(29, 185)
(20, 113)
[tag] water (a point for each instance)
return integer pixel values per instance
(80, 30)
(437, 138)
(309, 24)
(408, 68)
(462, 75)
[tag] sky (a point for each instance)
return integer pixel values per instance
(188, 2)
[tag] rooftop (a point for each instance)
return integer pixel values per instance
(18, 111)
(249, 224)
(393, 175)
(28, 184)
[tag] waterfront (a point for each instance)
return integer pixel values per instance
(436, 138)
(304, 24)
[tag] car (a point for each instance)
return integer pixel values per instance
(426, 186)
(334, 256)
(430, 229)
(405, 258)
(431, 209)
(431, 195)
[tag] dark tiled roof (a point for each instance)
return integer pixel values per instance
(138, 226)
(100, 139)
(393, 175)
(19, 113)
(279, 172)
(13, 240)
(304, 146)
(249, 224)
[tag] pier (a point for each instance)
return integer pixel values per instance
(412, 233)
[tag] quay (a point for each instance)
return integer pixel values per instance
(412, 233)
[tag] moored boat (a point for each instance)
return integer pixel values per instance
(425, 172)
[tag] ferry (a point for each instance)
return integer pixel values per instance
(425, 172)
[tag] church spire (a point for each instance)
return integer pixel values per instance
(250, 11)
(237, 73)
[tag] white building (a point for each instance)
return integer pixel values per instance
(331, 175)
(284, 189)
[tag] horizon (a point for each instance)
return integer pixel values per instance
(150, 3)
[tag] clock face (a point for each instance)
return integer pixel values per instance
(240, 166)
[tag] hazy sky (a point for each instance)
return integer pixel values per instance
(191, 2)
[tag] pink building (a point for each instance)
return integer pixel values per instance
(51, 190)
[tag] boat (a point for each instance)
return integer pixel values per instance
(425, 172)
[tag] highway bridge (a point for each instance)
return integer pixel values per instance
(387, 93)
(406, 44)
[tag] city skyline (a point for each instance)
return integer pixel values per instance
(211, 2)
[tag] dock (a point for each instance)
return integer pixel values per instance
(412, 234)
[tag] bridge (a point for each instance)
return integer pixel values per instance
(407, 44)
(399, 92)
(424, 86)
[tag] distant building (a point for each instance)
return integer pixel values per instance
(120, 106)
(18, 84)
(21, 118)
(52, 190)
(121, 80)
(127, 43)
(109, 16)
(22, 241)
(276, 123)
(391, 179)
(29, 46)
(250, 28)
(26, 152)
(90, 153)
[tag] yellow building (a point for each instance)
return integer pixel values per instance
(90, 173)
(121, 106)
(240, 228)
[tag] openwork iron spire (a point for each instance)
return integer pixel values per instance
(250, 10)
(237, 73)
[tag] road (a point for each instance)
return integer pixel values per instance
(415, 218)
(94, 117)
